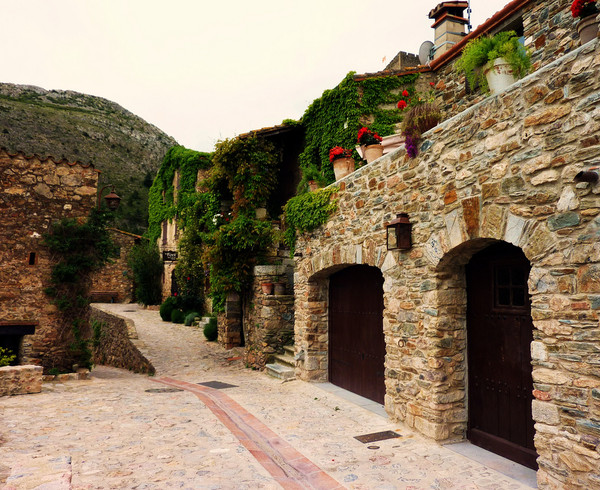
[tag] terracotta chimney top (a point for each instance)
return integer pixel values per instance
(449, 25)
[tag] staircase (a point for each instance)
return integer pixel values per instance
(283, 365)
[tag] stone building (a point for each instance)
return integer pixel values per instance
(114, 282)
(34, 193)
(485, 328)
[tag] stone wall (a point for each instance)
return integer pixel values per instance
(115, 345)
(549, 31)
(114, 282)
(34, 193)
(502, 170)
(268, 318)
(20, 380)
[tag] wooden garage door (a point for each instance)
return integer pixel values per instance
(499, 334)
(356, 340)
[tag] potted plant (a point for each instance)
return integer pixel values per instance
(343, 163)
(422, 114)
(586, 11)
(313, 178)
(370, 143)
(494, 62)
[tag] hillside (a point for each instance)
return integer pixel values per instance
(125, 148)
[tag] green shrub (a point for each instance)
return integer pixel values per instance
(190, 317)
(6, 357)
(167, 307)
(210, 330)
(177, 316)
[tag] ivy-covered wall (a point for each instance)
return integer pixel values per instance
(335, 118)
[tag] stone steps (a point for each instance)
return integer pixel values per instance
(283, 365)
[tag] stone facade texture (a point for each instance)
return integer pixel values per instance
(20, 380)
(34, 193)
(268, 318)
(115, 346)
(501, 170)
(114, 282)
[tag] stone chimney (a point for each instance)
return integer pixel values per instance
(449, 25)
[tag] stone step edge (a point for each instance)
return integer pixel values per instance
(279, 371)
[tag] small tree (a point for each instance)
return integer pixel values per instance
(144, 260)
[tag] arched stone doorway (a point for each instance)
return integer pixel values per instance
(356, 344)
(499, 336)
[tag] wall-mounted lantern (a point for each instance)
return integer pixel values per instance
(112, 200)
(399, 233)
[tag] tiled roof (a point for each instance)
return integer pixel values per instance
(48, 158)
(269, 131)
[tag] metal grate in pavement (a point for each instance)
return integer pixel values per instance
(377, 436)
(217, 385)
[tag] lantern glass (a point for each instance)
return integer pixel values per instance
(392, 237)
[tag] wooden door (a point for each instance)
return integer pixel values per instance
(356, 340)
(499, 335)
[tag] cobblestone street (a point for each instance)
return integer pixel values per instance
(122, 430)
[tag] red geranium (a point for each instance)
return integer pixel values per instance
(339, 152)
(367, 137)
(405, 93)
(583, 8)
(402, 104)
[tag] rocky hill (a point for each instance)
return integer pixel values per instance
(125, 148)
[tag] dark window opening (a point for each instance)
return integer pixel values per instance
(32, 258)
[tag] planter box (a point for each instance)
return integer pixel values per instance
(20, 380)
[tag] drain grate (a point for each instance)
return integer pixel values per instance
(377, 436)
(217, 385)
(163, 390)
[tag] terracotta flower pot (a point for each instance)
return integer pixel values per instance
(279, 288)
(343, 167)
(313, 185)
(499, 75)
(372, 152)
(267, 287)
(587, 28)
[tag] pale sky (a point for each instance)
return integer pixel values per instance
(203, 71)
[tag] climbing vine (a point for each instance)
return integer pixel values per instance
(306, 212)
(78, 249)
(335, 118)
(161, 201)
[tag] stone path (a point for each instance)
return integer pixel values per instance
(121, 430)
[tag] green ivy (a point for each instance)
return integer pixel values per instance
(335, 118)
(78, 249)
(161, 204)
(306, 212)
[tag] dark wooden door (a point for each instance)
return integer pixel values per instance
(356, 340)
(499, 335)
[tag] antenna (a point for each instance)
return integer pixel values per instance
(426, 52)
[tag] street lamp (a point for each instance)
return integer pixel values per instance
(112, 200)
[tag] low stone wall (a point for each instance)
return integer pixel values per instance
(20, 380)
(115, 347)
(268, 318)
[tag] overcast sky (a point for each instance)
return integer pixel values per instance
(203, 71)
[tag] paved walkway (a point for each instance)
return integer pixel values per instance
(121, 430)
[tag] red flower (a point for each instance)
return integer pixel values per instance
(405, 93)
(583, 8)
(432, 84)
(174, 294)
(402, 105)
(339, 152)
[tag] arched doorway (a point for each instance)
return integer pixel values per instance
(356, 340)
(499, 336)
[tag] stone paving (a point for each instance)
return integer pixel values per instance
(122, 430)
